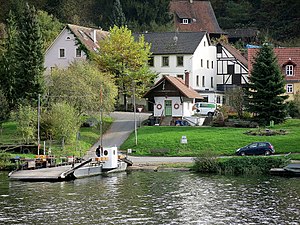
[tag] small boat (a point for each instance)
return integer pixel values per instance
(108, 161)
(292, 169)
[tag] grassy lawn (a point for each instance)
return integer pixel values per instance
(220, 140)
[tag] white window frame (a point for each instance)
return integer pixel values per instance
(162, 61)
(289, 70)
(289, 88)
(78, 56)
(180, 56)
(59, 53)
(151, 61)
(197, 80)
(185, 21)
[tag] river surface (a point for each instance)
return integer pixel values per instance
(152, 198)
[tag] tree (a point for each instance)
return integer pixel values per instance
(8, 62)
(127, 60)
(26, 117)
(30, 57)
(235, 98)
(4, 109)
(265, 94)
(50, 27)
(65, 122)
(118, 16)
(80, 85)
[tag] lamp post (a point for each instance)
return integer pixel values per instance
(134, 113)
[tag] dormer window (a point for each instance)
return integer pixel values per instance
(289, 70)
(68, 38)
(185, 21)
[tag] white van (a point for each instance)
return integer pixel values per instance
(205, 108)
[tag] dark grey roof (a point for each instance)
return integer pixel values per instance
(173, 42)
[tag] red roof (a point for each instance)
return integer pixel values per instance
(178, 84)
(86, 36)
(200, 13)
(285, 56)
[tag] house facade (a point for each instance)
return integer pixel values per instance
(173, 98)
(289, 62)
(211, 68)
(73, 43)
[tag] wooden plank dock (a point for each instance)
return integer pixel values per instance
(57, 173)
(43, 174)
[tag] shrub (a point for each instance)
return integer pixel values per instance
(206, 162)
(238, 165)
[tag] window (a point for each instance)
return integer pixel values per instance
(62, 53)
(219, 99)
(185, 21)
(203, 81)
(179, 60)
(197, 81)
(151, 61)
(289, 70)
(201, 62)
(212, 64)
(165, 61)
(180, 76)
(78, 53)
(289, 88)
(211, 82)
(207, 64)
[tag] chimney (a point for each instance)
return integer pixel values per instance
(187, 78)
(94, 33)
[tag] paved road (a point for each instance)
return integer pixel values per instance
(120, 130)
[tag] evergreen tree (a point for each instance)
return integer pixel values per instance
(8, 61)
(118, 16)
(30, 58)
(265, 93)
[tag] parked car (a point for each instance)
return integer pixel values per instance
(256, 148)
(205, 108)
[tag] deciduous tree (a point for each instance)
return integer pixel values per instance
(81, 85)
(127, 59)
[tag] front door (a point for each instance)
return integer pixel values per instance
(168, 107)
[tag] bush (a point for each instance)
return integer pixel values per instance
(238, 165)
(206, 163)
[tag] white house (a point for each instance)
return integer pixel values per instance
(212, 68)
(73, 43)
(175, 53)
(172, 98)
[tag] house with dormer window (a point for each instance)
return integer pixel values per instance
(73, 43)
(289, 62)
(195, 16)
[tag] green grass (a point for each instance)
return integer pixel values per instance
(88, 137)
(220, 140)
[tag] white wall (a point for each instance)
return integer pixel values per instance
(172, 69)
(52, 55)
(185, 108)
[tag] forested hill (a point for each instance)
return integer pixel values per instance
(280, 19)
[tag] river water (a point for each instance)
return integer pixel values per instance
(152, 198)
